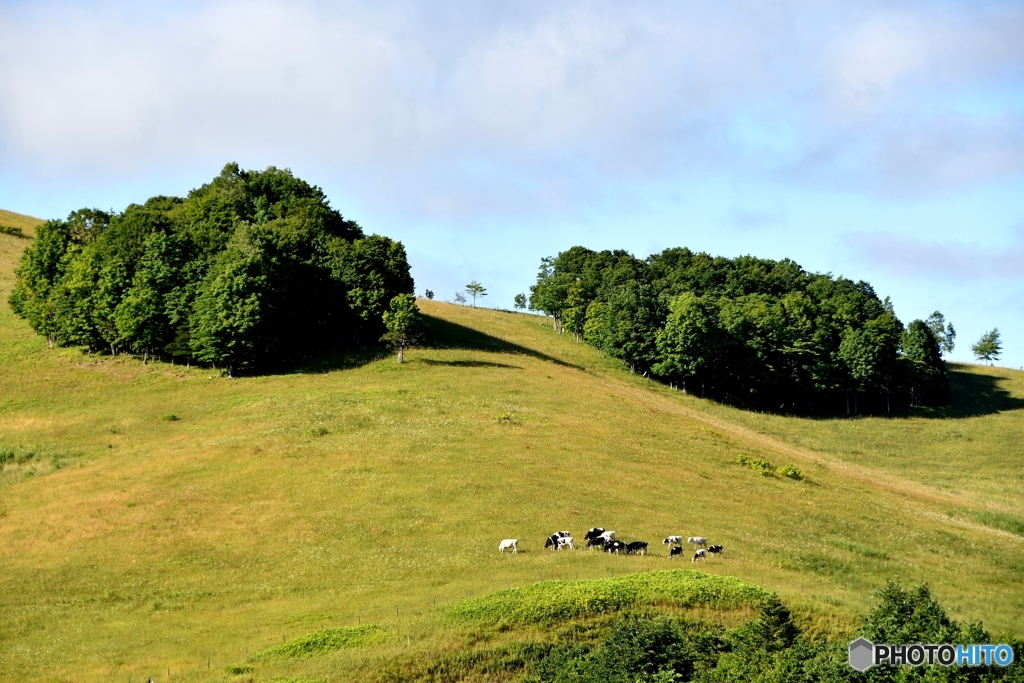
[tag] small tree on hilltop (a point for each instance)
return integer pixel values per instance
(475, 289)
(460, 299)
(403, 324)
(520, 300)
(429, 294)
(988, 347)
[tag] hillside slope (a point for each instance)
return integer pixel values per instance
(168, 517)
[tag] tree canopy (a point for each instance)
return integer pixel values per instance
(989, 347)
(749, 331)
(403, 324)
(249, 271)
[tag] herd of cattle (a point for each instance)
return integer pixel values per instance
(605, 540)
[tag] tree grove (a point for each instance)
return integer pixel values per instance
(755, 332)
(249, 271)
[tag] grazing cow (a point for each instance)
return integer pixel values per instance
(716, 549)
(564, 542)
(608, 536)
(698, 541)
(673, 540)
(700, 555)
(614, 547)
(597, 541)
(637, 548)
(593, 533)
(675, 551)
(509, 543)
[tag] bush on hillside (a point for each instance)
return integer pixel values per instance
(249, 271)
(12, 231)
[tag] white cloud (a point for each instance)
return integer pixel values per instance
(466, 109)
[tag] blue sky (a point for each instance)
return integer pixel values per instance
(878, 140)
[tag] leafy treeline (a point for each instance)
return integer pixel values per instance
(653, 648)
(750, 331)
(250, 270)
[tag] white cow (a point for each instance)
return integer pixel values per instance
(697, 541)
(512, 543)
(608, 536)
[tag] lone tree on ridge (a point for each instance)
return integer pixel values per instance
(475, 289)
(988, 347)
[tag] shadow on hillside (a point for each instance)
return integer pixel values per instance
(971, 394)
(332, 360)
(444, 334)
(467, 363)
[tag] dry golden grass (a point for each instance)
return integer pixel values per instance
(275, 505)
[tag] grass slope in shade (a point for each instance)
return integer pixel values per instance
(554, 601)
(280, 505)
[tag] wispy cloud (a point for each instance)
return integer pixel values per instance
(913, 258)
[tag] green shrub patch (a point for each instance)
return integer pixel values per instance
(324, 641)
(551, 601)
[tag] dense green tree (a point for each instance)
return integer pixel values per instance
(924, 369)
(232, 304)
(402, 323)
(870, 355)
(520, 301)
(690, 343)
(989, 347)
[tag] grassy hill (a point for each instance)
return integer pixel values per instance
(159, 518)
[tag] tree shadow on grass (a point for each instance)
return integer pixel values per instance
(439, 334)
(466, 363)
(334, 359)
(444, 334)
(971, 395)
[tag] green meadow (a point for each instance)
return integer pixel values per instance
(341, 521)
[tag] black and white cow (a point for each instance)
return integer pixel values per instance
(614, 547)
(593, 533)
(597, 541)
(636, 548)
(701, 554)
(673, 540)
(552, 541)
(675, 551)
(716, 549)
(564, 542)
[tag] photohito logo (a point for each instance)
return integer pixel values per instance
(864, 654)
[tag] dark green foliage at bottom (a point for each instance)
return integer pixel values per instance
(650, 648)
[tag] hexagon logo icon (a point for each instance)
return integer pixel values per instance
(862, 654)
